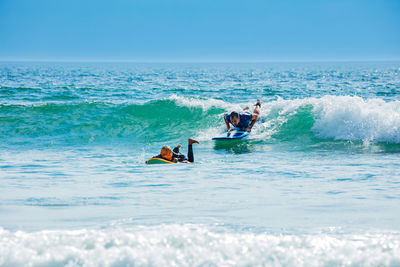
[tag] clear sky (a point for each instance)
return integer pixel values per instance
(200, 30)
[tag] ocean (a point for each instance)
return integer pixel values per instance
(316, 184)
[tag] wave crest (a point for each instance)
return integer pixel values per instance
(353, 118)
(348, 118)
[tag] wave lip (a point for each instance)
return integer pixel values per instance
(194, 245)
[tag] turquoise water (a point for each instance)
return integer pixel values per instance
(316, 184)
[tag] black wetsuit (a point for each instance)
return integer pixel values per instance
(179, 156)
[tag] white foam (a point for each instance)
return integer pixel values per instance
(349, 118)
(337, 117)
(209, 133)
(353, 118)
(205, 104)
(194, 245)
(274, 114)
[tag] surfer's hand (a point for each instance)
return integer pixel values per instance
(248, 129)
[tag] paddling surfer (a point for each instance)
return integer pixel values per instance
(174, 156)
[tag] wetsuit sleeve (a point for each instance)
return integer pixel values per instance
(176, 154)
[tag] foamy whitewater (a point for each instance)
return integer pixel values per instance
(316, 184)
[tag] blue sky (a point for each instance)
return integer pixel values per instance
(200, 30)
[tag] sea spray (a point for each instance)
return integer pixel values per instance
(356, 119)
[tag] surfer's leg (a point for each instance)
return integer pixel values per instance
(190, 149)
(190, 154)
(257, 108)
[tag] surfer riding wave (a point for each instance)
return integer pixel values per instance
(242, 121)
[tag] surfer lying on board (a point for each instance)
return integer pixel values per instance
(243, 121)
(174, 156)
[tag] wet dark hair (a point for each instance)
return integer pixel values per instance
(234, 114)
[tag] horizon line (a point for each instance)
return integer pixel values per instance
(33, 60)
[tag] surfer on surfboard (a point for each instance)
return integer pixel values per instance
(174, 156)
(242, 121)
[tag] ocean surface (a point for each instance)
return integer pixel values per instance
(316, 184)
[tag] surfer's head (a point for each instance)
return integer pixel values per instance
(166, 152)
(235, 118)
